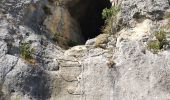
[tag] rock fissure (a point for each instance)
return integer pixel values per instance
(105, 68)
(88, 14)
(12, 67)
(73, 23)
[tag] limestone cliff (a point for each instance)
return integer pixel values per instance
(132, 63)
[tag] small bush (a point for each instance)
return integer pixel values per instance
(109, 12)
(160, 36)
(160, 41)
(154, 45)
(26, 51)
(108, 28)
(167, 25)
(47, 10)
(56, 37)
(71, 43)
(110, 18)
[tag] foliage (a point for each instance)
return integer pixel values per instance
(108, 28)
(47, 10)
(108, 12)
(63, 41)
(160, 36)
(110, 18)
(154, 45)
(167, 25)
(159, 43)
(71, 43)
(56, 37)
(26, 51)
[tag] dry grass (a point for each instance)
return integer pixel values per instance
(26, 53)
(159, 43)
(101, 39)
(110, 19)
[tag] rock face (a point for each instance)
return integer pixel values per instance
(62, 25)
(108, 67)
(150, 9)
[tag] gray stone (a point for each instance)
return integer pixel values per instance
(140, 10)
(123, 69)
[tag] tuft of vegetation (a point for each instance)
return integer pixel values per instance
(167, 25)
(160, 36)
(108, 27)
(26, 51)
(47, 10)
(159, 43)
(154, 45)
(56, 37)
(71, 43)
(109, 14)
(63, 42)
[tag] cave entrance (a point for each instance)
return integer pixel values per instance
(88, 14)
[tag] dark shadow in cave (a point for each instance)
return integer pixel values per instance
(88, 13)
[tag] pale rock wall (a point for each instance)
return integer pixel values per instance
(84, 72)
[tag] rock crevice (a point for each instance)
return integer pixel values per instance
(107, 67)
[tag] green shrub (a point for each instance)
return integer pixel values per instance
(110, 19)
(160, 41)
(154, 45)
(47, 10)
(109, 12)
(167, 25)
(160, 36)
(108, 28)
(26, 51)
(71, 43)
(56, 37)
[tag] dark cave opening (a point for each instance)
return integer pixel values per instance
(88, 14)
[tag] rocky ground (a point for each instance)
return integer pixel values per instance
(109, 67)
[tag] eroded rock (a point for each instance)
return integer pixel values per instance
(123, 69)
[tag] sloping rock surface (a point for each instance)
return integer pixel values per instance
(121, 69)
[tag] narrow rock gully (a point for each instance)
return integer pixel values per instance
(88, 14)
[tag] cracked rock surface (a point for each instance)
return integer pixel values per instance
(121, 68)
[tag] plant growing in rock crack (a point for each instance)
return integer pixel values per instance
(56, 37)
(47, 10)
(26, 52)
(167, 25)
(109, 14)
(159, 43)
(71, 43)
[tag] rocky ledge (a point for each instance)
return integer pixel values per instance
(123, 65)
